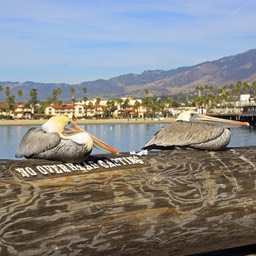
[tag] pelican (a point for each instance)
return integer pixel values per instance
(192, 130)
(60, 139)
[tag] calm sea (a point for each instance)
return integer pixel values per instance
(123, 137)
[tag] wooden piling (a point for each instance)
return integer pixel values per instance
(176, 202)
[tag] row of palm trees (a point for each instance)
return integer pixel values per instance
(209, 96)
(204, 96)
(152, 104)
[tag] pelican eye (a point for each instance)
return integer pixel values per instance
(193, 116)
(69, 125)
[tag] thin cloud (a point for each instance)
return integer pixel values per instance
(76, 41)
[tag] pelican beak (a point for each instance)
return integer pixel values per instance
(76, 128)
(99, 144)
(220, 121)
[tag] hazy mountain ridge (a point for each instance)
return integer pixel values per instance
(219, 72)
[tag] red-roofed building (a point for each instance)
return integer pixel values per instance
(18, 111)
(94, 109)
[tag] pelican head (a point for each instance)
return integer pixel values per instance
(193, 116)
(63, 125)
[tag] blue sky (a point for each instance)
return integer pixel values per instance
(74, 41)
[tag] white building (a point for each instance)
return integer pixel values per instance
(92, 108)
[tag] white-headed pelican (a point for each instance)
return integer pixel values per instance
(192, 130)
(60, 139)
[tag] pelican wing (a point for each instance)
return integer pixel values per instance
(36, 141)
(184, 134)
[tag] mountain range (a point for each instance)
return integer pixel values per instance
(217, 73)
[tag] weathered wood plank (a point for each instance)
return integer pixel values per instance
(168, 203)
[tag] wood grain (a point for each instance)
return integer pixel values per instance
(177, 202)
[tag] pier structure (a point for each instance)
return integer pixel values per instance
(176, 202)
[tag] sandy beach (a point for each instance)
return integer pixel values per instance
(90, 121)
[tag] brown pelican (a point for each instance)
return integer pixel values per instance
(60, 139)
(192, 130)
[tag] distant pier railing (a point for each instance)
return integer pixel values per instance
(246, 114)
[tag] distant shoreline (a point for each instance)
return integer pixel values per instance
(90, 121)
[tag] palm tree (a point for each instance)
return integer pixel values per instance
(147, 102)
(55, 94)
(72, 91)
(7, 91)
(136, 106)
(97, 103)
(254, 88)
(199, 90)
(1, 89)
(125, 105)
(169, 101)
(89, 106)
(84, 91)
(119, 103)
(224, 95)
(33, 100)
(111, 107)
(160, 106)
(20, 93)
(9, 99)
(200, 103)
(211, 99)
(246, 87)
(232, 89)
(147, 91)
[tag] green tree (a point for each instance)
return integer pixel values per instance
(160, 105)
(169, 101)
(200, 102)
(137, 106)
(20, 93)
(97, 103)
(7, 91)
(246, 87)
(147, 103)
(55, 94)
(119, 103)
(1, 89)
(111, 107)
(199, 90)
(33, 99)
(125, 105)
(84, 91)
(224, 95)
(9, 99)
(72, 91)
(254, 88)
(211, 100)
(147, 91)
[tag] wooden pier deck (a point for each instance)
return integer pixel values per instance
(179, 202)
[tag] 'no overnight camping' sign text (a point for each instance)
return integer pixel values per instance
(46, 170)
